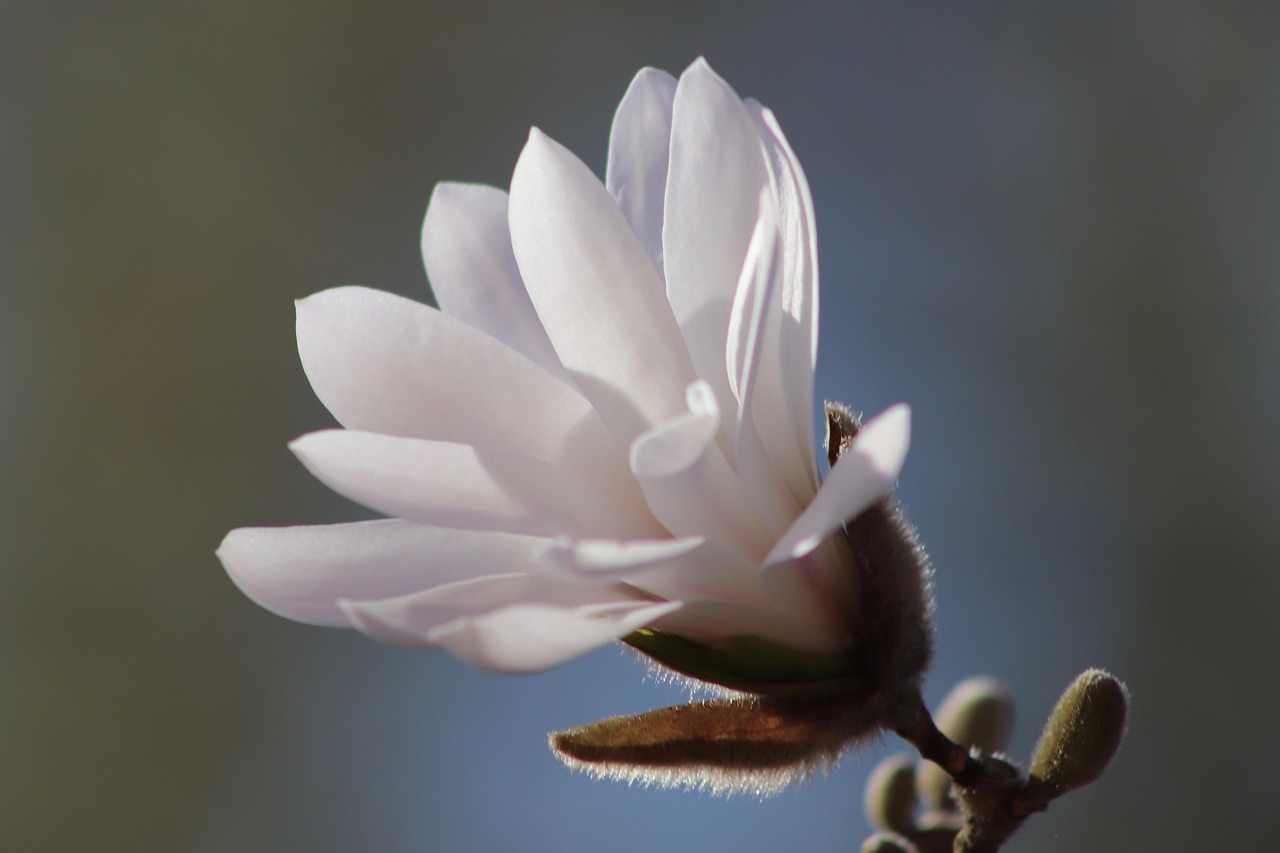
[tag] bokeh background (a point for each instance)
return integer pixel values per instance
(1053, 228)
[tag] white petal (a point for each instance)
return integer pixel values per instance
(714, 181)
(863, 475)
(755, 284)
(408, 620)
(528, 638)
(819, 589)
(466, 248)
(783, 407)
(383, 363)
(636, 176)
(598, 295)
(799, 232)
(757, 295)
(709, 622)
(689, 485)
(302, 572)
(610, 559)
(689, 568)
(459, 485)
(807, 574)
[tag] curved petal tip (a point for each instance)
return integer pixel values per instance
(863, 475)
(885, 440)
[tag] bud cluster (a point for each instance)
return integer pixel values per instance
(926, 809)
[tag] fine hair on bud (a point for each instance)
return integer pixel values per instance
(1082, 734)
(893, 574)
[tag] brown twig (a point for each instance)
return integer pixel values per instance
(991, 794)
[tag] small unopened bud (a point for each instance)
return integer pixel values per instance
(1082, 734)
(978, 712)
(891, 795)
(883, 842)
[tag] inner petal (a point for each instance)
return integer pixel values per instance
(689, 485)
(466, 248)
(674, 569)
(410, 619)
(596, 291)
(525, 638)
(746, 353)
(715, 176)
(796, 331)
(639, 144)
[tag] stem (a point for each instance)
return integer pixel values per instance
(991, 795)
(916, 727)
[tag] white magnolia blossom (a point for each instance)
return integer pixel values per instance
(607, 426)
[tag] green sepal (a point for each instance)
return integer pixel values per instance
(748, 663)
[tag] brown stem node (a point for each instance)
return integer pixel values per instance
(916, 726)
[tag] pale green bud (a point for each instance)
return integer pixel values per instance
(891, 795)
(978, 712)
(1082, 734)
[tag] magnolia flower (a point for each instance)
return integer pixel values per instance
(606, 432)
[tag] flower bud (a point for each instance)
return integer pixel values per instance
(978, 712)
(1081, 735)
(891, 795)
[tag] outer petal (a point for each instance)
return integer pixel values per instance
(466, 248)
(386, 364)
(596, 291)
(636, 176)
(862, 476)
(689, 485)
(458, 485)
(715, 177)
(527, 638)
(302, 572)
(689, 568)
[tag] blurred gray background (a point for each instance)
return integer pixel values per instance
(1053, 228)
